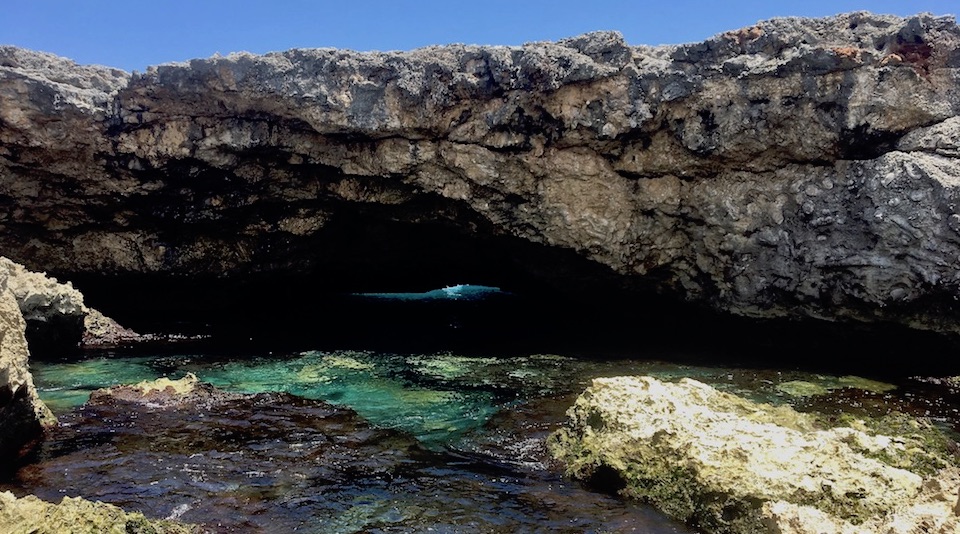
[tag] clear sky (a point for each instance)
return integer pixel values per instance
(131, 34)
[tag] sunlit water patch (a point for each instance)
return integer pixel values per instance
(454, 292)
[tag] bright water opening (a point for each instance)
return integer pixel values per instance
(454, 292)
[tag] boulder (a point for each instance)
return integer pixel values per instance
(795, 168)
(729, 465)
(164, 393)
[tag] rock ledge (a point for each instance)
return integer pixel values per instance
(727, 464)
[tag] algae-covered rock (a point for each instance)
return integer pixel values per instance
(934, 511)
(824, 385)
(74, 515)
(727, 464)
(163, 392)
(22, 413)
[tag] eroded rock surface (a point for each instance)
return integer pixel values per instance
(795, 168)
(22, 414)
(727, 464)
(30, 514)
(55, 313)
(165, 393)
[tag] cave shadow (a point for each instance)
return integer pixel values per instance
(551, 301)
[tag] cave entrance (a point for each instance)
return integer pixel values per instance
(374, 282)
(366, 283)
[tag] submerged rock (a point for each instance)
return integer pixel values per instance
(727, 464)
(22, 414)
(797, 168)
(164, 392)
(30, 514)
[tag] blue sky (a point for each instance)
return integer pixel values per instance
(132, 34)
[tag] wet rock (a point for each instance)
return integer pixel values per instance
(30, 514)
(797, 168)
(164, 392)
(100, 330)
(22, 414)
(731, 465)
(203, 455)
(275, 462)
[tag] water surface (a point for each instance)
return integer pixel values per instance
(438, 424)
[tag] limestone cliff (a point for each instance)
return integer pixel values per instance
(800, 167)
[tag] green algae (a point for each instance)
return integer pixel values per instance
(346, 362)
(926, 448)
(449, 366)
(802, 388)
(31, 515)
(822, 385)
(865, 384)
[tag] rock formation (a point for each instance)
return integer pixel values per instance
(799, 168)
(164, 393)
(22, 414)
(55, 314)
(232, 452)
(729, 465)
(30, 514)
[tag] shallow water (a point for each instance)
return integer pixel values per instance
(411, 440)
(468, 456)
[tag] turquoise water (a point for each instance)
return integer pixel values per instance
(439, 398)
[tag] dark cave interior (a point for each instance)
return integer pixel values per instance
(552, 301)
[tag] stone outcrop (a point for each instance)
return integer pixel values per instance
(73, 514)
(22, 414)
(164, 393)
(55, 313)
(727, 464)
(798, 168)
